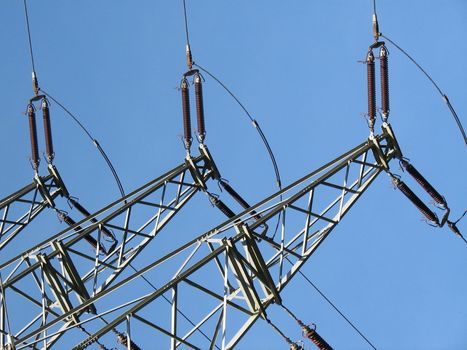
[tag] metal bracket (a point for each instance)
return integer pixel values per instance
(44, 191)
(195, 173)
(73, 275)
(256, 259)
(243, 277)
(58, 179)
(205, 152)
(392, 141)
(378, 152)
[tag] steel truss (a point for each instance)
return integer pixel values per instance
(49, 276)
(22, 207)
(232, 272)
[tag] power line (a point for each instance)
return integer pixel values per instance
(94, 141)
(186, 23)
(334, 306)
(29, 36)
(443, 95)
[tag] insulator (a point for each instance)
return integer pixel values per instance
(383, 55)
(48, 131)
(238, 198)
(221, 206)
(370, 62)
(86, 213)
(415, 200)
(199, 107)
(424, 183)
(33, 136)
(123, 339)
(91, 240)
(86, 343)
(186, 114)
(313, 335)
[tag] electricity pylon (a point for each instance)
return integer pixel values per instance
(233, 272)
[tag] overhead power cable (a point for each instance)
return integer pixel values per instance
(443, 95)
(93, 140)
(334, 307)
(29, 35)
(253, 121)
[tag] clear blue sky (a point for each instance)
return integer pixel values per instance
(116, 64)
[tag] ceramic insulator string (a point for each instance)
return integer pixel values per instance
(415, 200)
(370, 62)
(49, 147)
(187, 139)
(383, 56)
(438, 198)
(199, 107)
(33, 137)
(91, 240)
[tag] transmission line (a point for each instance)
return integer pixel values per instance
(308, 280)
(443, 95)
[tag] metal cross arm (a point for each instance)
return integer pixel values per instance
(23, 206)
(248, 270)
(50, 275)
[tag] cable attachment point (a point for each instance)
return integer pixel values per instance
(35, 83)
(376, 33)
(189, 57)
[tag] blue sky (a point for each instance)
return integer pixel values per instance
(295, 65)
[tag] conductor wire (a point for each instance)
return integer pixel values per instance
(443, 95)
(333, 306)
(186, 23)
(94, 141)
(29, 35)
(258, 129)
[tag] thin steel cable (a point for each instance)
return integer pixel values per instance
(374, 7)
(29, 36)
(334, 306)
(443, 95)
(178, 310)
(287, 339)
(186, 23)
(94, 141)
